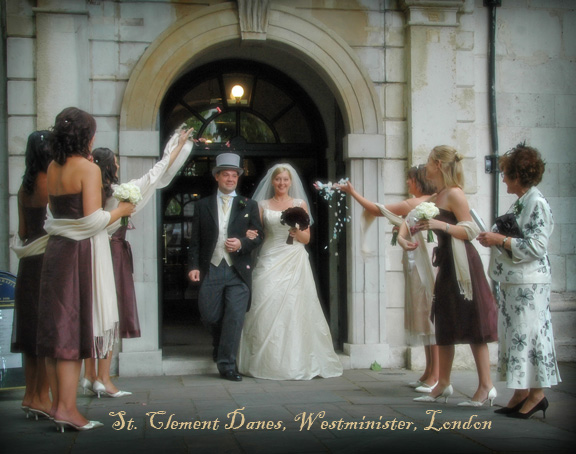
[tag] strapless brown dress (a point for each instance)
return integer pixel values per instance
(27, 289)
(125, 292)
(65, 316)
(459, 321)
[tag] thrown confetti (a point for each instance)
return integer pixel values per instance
(329, 191)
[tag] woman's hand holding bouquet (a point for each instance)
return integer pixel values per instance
(127, 192)
(423, 214)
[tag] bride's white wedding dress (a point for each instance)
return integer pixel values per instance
(285, 335)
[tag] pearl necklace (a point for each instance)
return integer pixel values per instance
(281, 201)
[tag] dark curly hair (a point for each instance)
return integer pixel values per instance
(71, 134)
(38, 156)
(418, 174)
(104, 157)
(523, 163)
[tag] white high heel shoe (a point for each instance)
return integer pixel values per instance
(474, 403)
(87, 385)
(91, 425)
(425, 388)
(99, 389)
(38, 414)
(416, 384)
(446, 393)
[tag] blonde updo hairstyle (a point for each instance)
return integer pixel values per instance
(450, 165)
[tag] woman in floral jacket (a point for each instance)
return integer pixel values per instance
(527, 359)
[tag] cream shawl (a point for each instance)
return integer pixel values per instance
(393, 218)
(160, 176)
(368, 219)
(458, 247)
(421, 256)
(22, 250)
(104, 302)
(461, 259)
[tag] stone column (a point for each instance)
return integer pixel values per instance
(367, 259)
(431, 28)
(142, 356)
(62, 59)
(441, 102)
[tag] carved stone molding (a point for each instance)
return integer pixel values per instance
(253, 18)
(439, 13)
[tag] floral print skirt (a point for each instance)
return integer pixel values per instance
(526, 357)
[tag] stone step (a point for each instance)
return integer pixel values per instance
(188, 366)
(188, 360)
(182, 364)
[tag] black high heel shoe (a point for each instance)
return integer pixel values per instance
(542, 405)
(508, 410)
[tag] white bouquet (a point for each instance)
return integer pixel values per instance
(427, 210)
(127, 192)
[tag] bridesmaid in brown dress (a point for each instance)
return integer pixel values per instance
(464, 310)
(32, 201)
(65, 329)
(98, 380)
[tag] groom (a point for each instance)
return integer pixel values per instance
(220, 257)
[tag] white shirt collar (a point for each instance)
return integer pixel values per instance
(232, 194)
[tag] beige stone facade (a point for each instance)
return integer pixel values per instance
(404, 76)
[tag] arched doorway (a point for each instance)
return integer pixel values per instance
(273, 120)
(337, 81)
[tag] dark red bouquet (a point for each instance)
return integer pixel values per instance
(295, 217)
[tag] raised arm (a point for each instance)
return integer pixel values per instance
(181, 142)
(368, 205)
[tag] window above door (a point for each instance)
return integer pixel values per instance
(241, 100)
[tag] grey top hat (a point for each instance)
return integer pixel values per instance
(227, 161)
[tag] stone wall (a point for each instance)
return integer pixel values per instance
(429, 74)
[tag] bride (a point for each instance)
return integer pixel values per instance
(285, 335)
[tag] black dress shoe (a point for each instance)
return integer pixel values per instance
(542, 405)
(231, 375)
(508, 410)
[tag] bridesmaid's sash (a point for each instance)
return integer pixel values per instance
(461, 259)
(22, 250)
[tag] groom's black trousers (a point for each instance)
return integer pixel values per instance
(223, 300)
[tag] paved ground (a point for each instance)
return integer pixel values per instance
(358, 396)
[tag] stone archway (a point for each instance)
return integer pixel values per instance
(174, 50)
